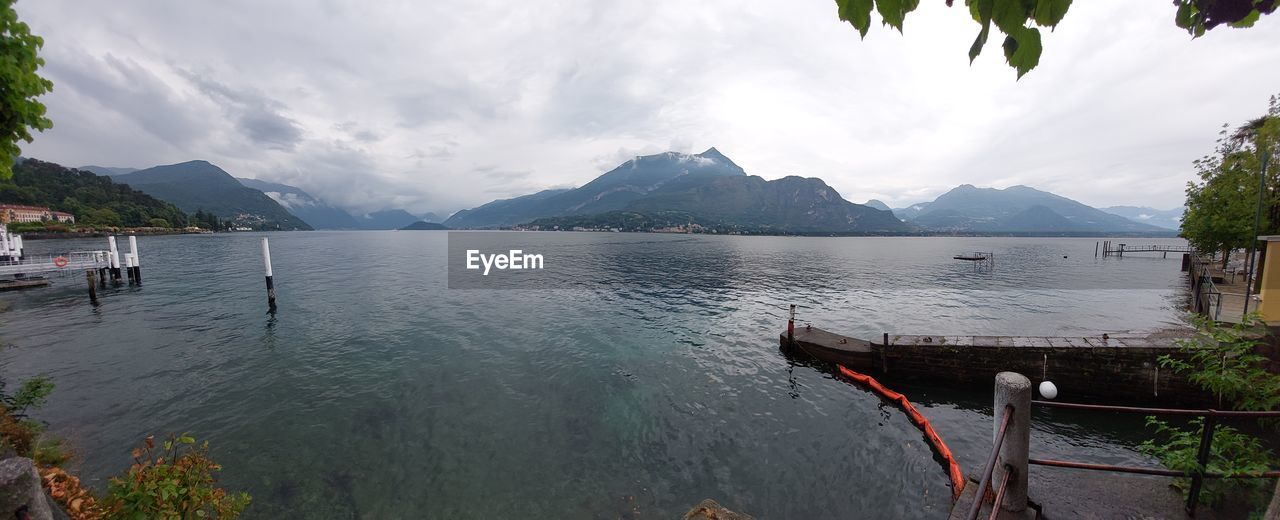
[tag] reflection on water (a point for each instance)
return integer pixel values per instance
(651, 381)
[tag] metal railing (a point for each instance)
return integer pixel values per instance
(990, 467)
(70, 262)
(1202, 454)
(1206, 299)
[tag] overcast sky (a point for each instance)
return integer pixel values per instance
(443, 105)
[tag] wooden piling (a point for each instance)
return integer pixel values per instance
(791, 325)
(93, 285)
(271, 286)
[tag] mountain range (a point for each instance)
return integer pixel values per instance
(1165, 218)
(1016, 209)
(199, 185)
(707, 189)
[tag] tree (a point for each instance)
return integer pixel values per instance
(1222, 205)
(1017, 18)
(20, 85)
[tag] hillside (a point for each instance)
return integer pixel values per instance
(313, 211)
(1017, 209)
(423, 226)
(672, 189)
(199, 185)
(1165, 218)
(613, 190)
(93, 199)
(386, 219)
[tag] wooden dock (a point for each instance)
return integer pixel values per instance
(1108, 367)
(22, 283)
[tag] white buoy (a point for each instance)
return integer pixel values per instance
(1048, 390)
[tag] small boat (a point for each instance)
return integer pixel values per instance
(972, 257)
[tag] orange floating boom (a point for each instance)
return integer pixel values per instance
(953, 467)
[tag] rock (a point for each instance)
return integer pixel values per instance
(20, 490)
(709, 510)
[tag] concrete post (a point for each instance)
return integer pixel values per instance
(1014, 389)
(1273, 511)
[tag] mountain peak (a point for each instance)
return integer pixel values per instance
(712, 152)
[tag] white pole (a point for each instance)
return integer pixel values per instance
(266, 256)
(133, 249)
(137, 265)
(266, 264)
(115, 259)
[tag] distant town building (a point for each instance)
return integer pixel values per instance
(15, 213)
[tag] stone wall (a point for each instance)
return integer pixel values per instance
(1108, 375)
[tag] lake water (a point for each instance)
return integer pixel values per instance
(652, 381)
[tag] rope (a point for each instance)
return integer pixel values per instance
(939, 447)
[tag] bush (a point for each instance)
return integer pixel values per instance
(175, 482)
(1223, 361)
(159, 222)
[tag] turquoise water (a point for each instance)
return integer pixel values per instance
(377, 392)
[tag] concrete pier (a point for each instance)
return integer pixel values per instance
(1114, 368)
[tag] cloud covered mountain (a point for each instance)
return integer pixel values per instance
(1016, 209)
(706, 188)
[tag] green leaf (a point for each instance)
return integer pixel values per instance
(1184, 17)
(981, 10)
(1009, 15)
(1049, 12)
(1248, 20)
(857, 13)
(893, 12)
(1026, 54)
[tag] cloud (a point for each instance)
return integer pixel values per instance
(446, 105)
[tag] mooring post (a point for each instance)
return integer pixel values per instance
(886, 339)
(114, 260)
(791, 326)
(137, 265)
(271, 286)
(128, 267)
(93, 285)
(1013, 389)
(1095, 249)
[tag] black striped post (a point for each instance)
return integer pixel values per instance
(266, 263)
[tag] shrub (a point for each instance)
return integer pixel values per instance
(176, 481)
(1224, 362)
(158, 222)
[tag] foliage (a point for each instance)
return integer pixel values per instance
(76, 500)
(1232, 453)
(1222, 205)
(176, 481)
(22, 84)
(94, 200)
(158, 222)
(32, 393)
(1018, 20)
(1223, 361)
(26, 436)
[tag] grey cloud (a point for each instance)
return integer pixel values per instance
(372, 105)
(257, 115)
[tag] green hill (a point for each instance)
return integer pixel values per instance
(199, 185)
(93, 199)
